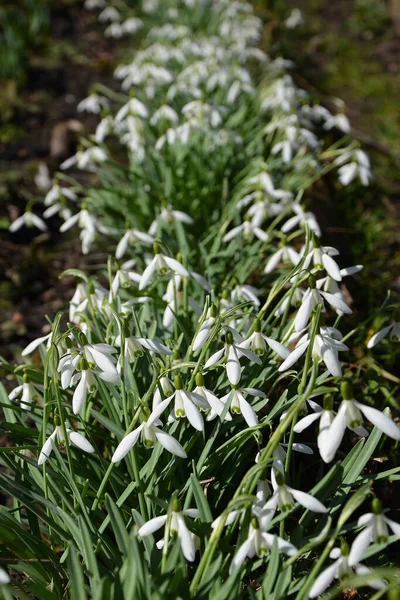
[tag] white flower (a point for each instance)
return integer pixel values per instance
(175, 298)
(248, 230)
(205, 328)
(340, 569)
(359, 165)
(301, 218)
(87, 383)
(375, 530)
(28, 391)
(284, 254)
(326, 347)
(129, 238)
(168, 215)
(167, 389)
(295, 18)
(238, 403)
(325, 416)
(166, 113)
(29, 220)
(73, 437)
(259, 543)
(4, 577)
(36, 343)
(330, 285)
(258, 342)
(92, 104)
(314, 297)
(321, 257)
(132, 107)
(110, 13)
(350, 415)
(211, 402)
(161, 264)
(284, 497)
(150, 433)
(124, 277)
(177, 526)
(232, 352)
(88, 223)
(185, 405)
(340, 121)
(393, 329)
(135, 346)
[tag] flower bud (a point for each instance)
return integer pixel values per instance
(254, 523)
(257, 325)
(377, 508)
(57, 420)
(311, 282)
(156, 248)
(82, 339)
(68, 342)
(328, 402)
(178, 382)
(199, 379)
(344, 547)
(316, 242)
(26, 378)
(346, 390)
(213, 311)
(229, 337)
(280, 479)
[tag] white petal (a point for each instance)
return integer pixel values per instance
(273, 261)
(193, 513)
(233, 369)
(152, 526)
(308, 501)
(254, 392)
(126, 444)
(283, 545)
(248, 413)
(395, 527)
(158, 410)
(17, 224)
(214, 358)
(376, 338)
(336, 303)
(81, 442)
(277, 347)
(33, 345)
(147, 274)
(377, 585)
(79, 396)
(304, 312)
(102, 360)
(240, 556)
(46, 450)
(169, 443)
(249, 355)
(380, 420)
(306, 422)
(323, 581)
(331, 267)
(70, 222)
(294, 356)
(15, 392)
(193, 414)
(154, 346)
(186, 540)
(232, 233)
(330, 438)
(359, 546)
(331, 360)
(176, 266)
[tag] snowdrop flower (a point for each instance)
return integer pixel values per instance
(248, 230)
(87, 383)
(258, 342)
(284, 254)
(88, 224)
(132, 25)
(28, 391)
(232, 352)
(42, 177)
(350, 415)
(168, 215)
(136, 346)
(130, 237)
(321, 257)
(326, 347)
(36, 343)
(28, 219)
(238, 404)
(211, 402)
(301, 219)
(325, 416)
(167, 389)
(103, 129)
(57, 193)
(339, 121)
(164, 113)
(175, 298)
(330, 285)
(177, 526)
(284, 497)
(295, 18)
(375, 530)
(73, 437)
(314, 297)
(132, 107)
(359, 165)
(4, 577)
(205, 328)
(393, 329)
(124, 277)
(93, 103)
(340, 569)
(98, 355)
(110, 13)
(259, 543)
(185, 405)
(161, 264)
(150, 433)
(245, 292)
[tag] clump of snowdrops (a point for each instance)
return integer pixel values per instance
(193, 427)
